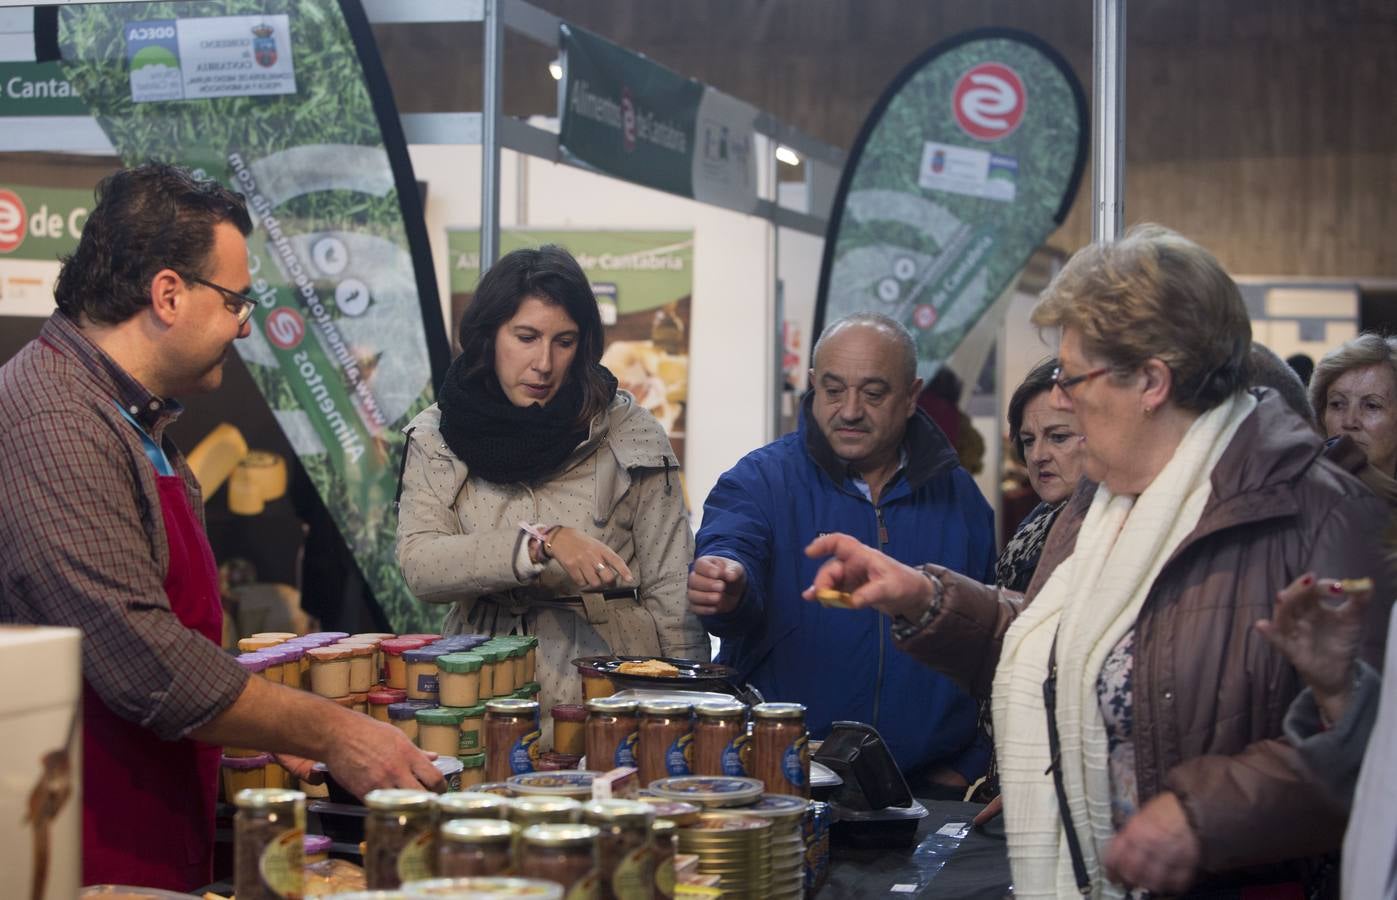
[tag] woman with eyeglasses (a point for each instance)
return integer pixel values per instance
(1137, 715)
(539, 499)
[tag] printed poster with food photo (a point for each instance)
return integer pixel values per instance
(644, 284)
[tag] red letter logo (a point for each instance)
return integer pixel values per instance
(13, 221)
(989, 101)
(285, 328)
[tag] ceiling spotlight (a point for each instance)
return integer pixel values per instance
(787, 155)
(555, 68)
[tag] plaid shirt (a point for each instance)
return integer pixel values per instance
(82, 537)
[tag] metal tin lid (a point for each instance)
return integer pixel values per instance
(664, 828)
(565, 783)
(709, 791)
(490, 831)
(394, 799)
(569, 712)
(676, 811)
(613, 706)
(720, 709)
(441, 715)
(665, 708)
(528, 807)
(779, 711)
(459, 802)
(459, 663)
(512, 706)
(618, 812)
(560, 835)
(777, 806)
(266, 798)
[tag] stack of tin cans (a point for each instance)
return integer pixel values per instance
(734, 847)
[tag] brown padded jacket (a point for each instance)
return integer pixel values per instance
(1210, 693)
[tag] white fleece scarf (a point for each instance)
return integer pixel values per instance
(1091, 600)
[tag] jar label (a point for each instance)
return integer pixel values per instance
(664, 877)
(283, 863)
(428, 684)
(732, 757)
(415, 859)
(470, 740)
(625, 751)
(524, 754)
(631, 879)
(678, 755)
(793, 761)
(588, 887)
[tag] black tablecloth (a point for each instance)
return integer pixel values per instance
(973, 867)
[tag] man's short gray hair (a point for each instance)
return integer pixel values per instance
(888, 325)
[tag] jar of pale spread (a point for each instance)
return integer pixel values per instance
(244, 772)
(611, 732)
(422, 673)
(253, 644)
(530, 657)
(404, 716)
(473, 728)
(470, 805)
(594, 683)
(563, 854)
(720, 731)
(394, 664)
(299, 674)
(253, 663)
(666, 731)
(329, 671)
(471, 847)
(399, 837)
(459, 679)
(623, 848)
(361, 666)
(501, 669)
(268, 850)
(278, 636)
(568, 726)
(381, 698)
(519, 662)
(359, 703)
(439, 729)
(511, 737)
(780, 748)
(472, 769)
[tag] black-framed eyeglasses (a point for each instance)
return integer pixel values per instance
(244, 304)
(1064, 384)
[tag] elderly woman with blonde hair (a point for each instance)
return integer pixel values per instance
(1137, 715)
(1354, 394)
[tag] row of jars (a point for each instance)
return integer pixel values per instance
(663, 738)
(612, 849)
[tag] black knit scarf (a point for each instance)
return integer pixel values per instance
(504, 443)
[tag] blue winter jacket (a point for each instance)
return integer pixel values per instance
(841, 663)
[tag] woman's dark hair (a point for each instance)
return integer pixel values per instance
(155, 216)
(552, 275)
(1037, 381)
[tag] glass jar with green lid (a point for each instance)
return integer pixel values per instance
(458, 679)
(268, 833)
(623, 847)
(473, 729)
(563, 854)
(471, 847)
(399, 836)
(519, 656)
(530, 657)
(439, 729)
(495, 675)
(470, 805)
(472, 769)
(529, 691)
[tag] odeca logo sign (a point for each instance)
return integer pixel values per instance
(989, 101)
(13, 219)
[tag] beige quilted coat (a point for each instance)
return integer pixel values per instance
(458, 538)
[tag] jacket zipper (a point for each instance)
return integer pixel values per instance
(882, 629)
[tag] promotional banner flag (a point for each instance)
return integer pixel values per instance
(969, 160)
(644, 282)
(286, 102)
(629, 117)
(37, 226)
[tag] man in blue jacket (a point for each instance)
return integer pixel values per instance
(867, 462)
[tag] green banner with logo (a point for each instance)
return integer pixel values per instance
(37, 89)
(285, 101)
(40, 223)
(969, 160)
(629, 117)
(644, 282)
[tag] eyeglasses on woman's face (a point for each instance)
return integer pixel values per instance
(1066, 384)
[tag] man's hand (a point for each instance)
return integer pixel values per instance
(370, 754)
(1156, 850)
(873, 578)
(1319, 628)
(716, 585)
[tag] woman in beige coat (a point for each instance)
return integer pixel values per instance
(538, 498)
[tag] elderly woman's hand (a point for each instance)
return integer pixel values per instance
(1156, 850)
(589, 563)
(1319, 628)
(872, 578)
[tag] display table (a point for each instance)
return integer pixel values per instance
(973, 867)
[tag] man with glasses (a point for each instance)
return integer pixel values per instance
(101, 530)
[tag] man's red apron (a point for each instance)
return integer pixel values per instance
(148, 804)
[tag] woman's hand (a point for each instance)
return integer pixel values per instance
(1156, 850)
(1319, 628)
(589, 563)
(873, 578)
